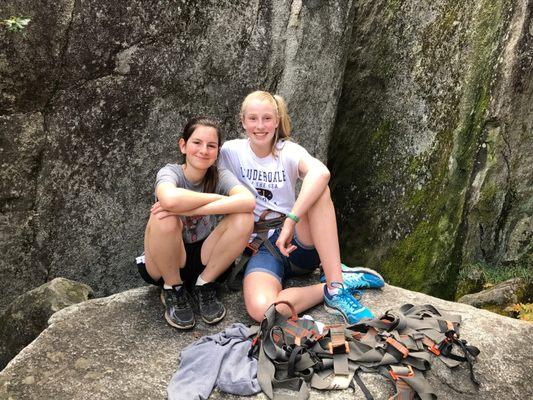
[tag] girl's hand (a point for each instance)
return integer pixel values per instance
(156, 208)
(285, 238)
(159, 212)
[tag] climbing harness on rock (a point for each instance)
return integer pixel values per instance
(261, 229)
(293, 355)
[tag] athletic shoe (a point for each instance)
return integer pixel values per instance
(178, 310)
(344, 304)
(209, 305)
(358, 278)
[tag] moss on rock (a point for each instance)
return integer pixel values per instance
(416, 238)
(471, 280)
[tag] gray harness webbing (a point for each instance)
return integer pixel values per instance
(400, 345)
(261, 229)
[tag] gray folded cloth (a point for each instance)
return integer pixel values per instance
(219, 360)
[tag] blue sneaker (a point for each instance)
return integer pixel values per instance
(358, 278)
(345, 305)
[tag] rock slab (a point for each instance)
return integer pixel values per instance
(500, 296)
(121, 348)
(27, 316)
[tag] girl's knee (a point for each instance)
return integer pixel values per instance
(256, 309)
(242, 222)
(260, 291)
(257, 303)
(169, 225)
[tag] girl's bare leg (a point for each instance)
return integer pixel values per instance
(319, 228)
(262, 289)
(164, 249)
(225, 243)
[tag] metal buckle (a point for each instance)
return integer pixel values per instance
(339, 349)
(431, 345)
(409, 374)
(338, 343)
(435, 350)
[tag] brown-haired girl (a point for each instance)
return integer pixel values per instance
(183, 242)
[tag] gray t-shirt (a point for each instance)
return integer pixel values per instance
(196, 227)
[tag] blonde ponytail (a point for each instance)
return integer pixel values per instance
(284, 127)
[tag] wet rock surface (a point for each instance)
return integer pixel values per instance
(121, 347)
(431, 152)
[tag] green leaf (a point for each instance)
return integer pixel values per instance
(526, 312)
(16, 24)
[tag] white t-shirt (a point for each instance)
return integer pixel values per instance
(272, 180)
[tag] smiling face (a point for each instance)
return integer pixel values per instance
(260, 120)
(201, 149)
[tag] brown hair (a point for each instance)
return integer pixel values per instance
(283, 131)
(210, 179)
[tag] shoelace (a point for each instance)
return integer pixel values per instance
(178, 299)
(348, 300)
(207, 294)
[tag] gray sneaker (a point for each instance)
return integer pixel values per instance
(178, 310)
(209, 305)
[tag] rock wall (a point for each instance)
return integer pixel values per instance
(427, 105)
(432, 149)
(93, 96)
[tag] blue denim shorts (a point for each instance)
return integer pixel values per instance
(304, 260)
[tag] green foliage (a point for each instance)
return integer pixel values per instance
(497, 274)
(481, 275)
(525, 312)
(16, 24)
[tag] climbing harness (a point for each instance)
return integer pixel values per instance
(401, 345)
(261, 228)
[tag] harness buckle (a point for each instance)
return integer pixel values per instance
(395, 375)
(448, 328)
(431, 345)
(398, 346)
(338, 343)
(252, 250)
(253, 247)
(340, 349)
(435, 350)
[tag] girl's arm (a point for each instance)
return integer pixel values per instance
(178, 200)
(315, 180)
(239, 200)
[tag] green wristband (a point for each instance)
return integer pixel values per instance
(293, 217)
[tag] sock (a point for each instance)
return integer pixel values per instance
(332, 291)
(176, 286)
(200, 281)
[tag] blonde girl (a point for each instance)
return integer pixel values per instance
(269, 165)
